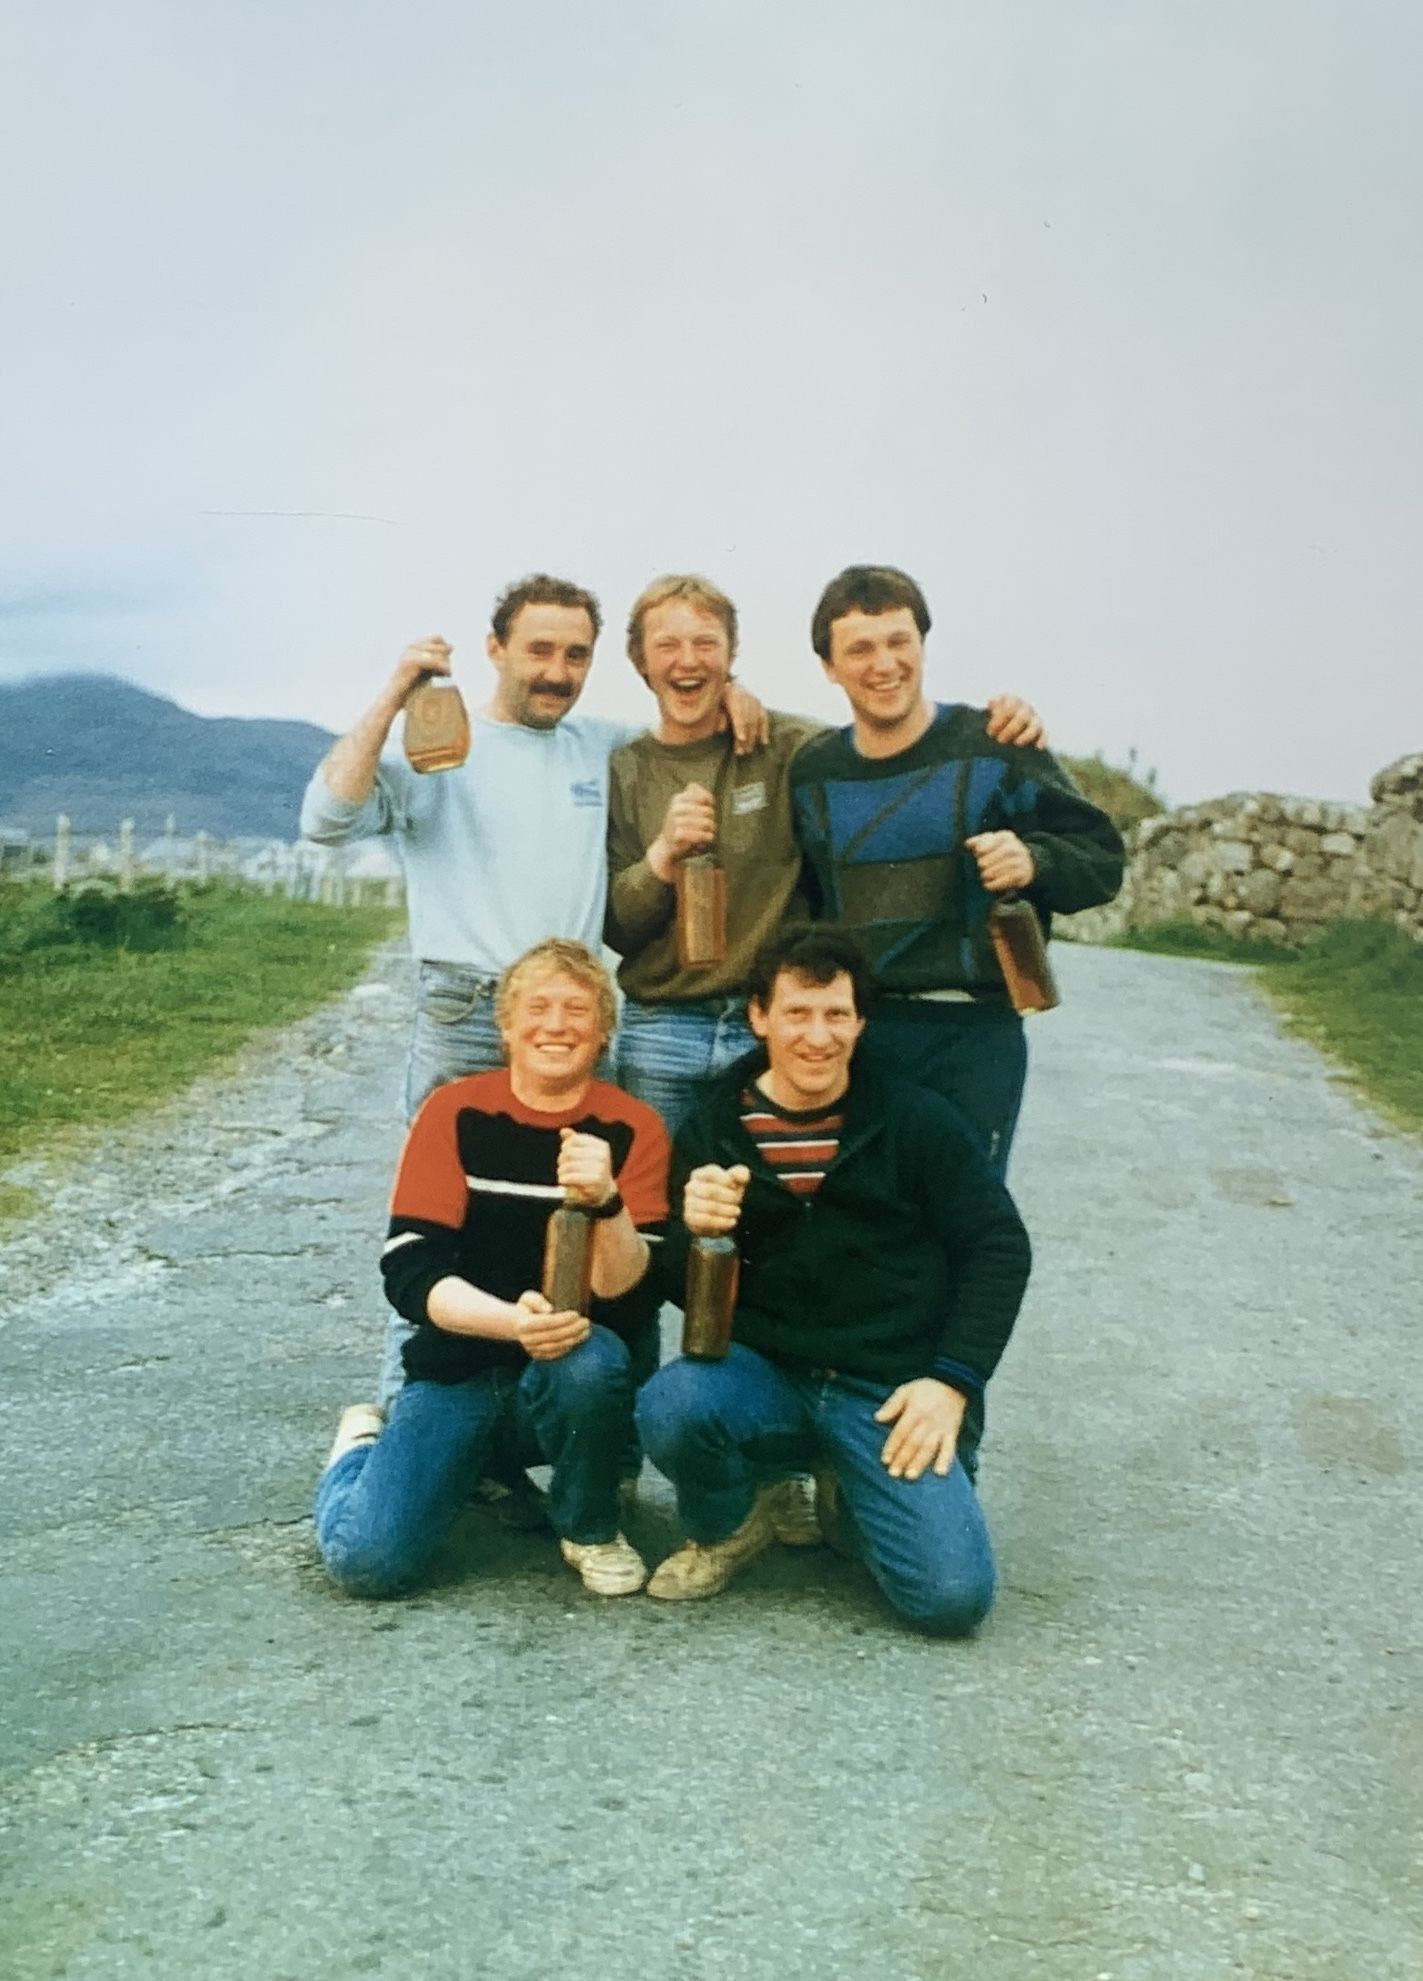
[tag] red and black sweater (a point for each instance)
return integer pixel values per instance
(442, 1223)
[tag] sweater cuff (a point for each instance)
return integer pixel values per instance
(958, 1377)
(1039, 888)
(640, 900)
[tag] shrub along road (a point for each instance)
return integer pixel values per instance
(1186, 1745)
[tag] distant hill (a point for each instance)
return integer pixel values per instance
(103, 750)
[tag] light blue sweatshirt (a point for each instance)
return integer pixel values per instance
(501, 853)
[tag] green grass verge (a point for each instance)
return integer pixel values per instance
(1356, 992)
(1194, 939)
(93, 1029)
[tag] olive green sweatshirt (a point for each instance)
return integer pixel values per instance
(755, 845)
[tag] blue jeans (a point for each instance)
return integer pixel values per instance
(665, 1051)
(714, 1428)
(383, 1509)
(454, 1031)
(972, 1054)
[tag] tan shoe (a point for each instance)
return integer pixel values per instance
(829, 1515)
(698, 1570)
(790, 1507)
(608, 1568)
(361, 1423)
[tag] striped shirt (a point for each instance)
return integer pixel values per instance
(798, 1147)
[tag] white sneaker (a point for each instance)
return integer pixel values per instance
(361, 1423)
(608, 1568)
(697, 1570)
(789, 1505)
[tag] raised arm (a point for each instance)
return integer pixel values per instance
(349, 766)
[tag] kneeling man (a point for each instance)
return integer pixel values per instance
(882, 1267)
(490, 1364)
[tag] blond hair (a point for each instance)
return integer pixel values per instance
(557, 956)
(697, 591)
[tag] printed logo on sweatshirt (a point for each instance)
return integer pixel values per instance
(586, 791)
(748, 798)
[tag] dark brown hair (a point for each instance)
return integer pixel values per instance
(541, 589)
(872, 588)
(815, 952)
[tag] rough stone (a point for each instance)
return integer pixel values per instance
(1229, 857)
(1310, 900)
(1259, 892)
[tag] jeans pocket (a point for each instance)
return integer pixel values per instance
(447, 997)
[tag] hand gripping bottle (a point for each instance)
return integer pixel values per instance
(1018, 943)
(436, 725)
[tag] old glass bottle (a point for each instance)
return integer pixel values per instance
(1018, 943)
(436, 726)
(713, 1269)
(701, 911)
(568, 1260)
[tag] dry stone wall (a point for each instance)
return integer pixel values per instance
(1275, 868)
(1388, 880)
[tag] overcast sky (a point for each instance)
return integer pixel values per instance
(321, 322)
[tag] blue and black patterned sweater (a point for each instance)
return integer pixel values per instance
(883, 839)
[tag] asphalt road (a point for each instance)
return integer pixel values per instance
(1187, 1744)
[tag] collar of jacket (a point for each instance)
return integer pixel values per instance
(865, 1103)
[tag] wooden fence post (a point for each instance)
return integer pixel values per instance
(61, 852)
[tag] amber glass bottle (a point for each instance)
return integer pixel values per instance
(1018, 943)
(713, 1269)
(701, 911)
(436, 726)
(568, 1260)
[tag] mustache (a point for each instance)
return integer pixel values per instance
(563, 689)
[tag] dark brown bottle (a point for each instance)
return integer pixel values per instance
(436, 726)
(713, 1269)
(568, 1260)
(1018, 943)
(701, 911)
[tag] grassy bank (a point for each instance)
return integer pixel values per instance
(109, 1003)
(1356, 992)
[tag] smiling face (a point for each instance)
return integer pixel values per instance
(542, 665)
(686, 655)
(553, 1032)
(878, 659)
(810, 1032)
